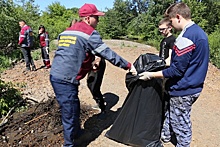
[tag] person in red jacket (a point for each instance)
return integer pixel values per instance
(44, 44)
(26, 43)
(77, 47)
(94, 80)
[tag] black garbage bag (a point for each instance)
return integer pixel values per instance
(145, 62)
(140, 119)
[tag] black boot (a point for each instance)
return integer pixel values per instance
(27, 69)
(34, 68)
(101, 103)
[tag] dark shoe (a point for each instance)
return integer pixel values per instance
(171, 139)
(96, 107)
(27, 69)
(34, 68)
(47, 66)
(101, 104)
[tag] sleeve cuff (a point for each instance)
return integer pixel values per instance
(165, 74)
(128, 66)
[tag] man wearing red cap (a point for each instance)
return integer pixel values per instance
(75, 57)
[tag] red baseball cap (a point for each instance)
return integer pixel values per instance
(88, 10)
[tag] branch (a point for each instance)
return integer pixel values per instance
(4, 121)
(36, 118)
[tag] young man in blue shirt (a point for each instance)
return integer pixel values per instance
(187, 72)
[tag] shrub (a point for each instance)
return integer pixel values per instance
(53, 45)
(9, 96)
(36, 54)
(8, 57)
(214, 44)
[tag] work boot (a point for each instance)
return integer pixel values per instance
(47, 64)
(47, 67)
(27, 69)
(100, 104)
(34, 68)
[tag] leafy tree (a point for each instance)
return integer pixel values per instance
(205, 13)
(140, 6)
(10, 14)
(57, 18)
(8, 23)
(198, 11)
(214, 44)
(211, 15)
(146, 23)
(116, 20)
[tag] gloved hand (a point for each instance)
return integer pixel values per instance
(133, 70)
(95, 63)
(47, 50)
(145, 76)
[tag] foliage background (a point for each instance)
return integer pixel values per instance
(128, 19)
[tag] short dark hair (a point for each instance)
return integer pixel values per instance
(166, 21)
(73, 22)
(178, 8)
(22, 21)
(41, 26)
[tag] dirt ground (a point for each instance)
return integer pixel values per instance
(40, 125)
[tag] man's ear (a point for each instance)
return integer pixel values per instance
(178, 17)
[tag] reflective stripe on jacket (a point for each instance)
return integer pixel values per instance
(77, 46)
(44, 39)
(26, 36)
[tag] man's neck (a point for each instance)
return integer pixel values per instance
(185, 22)
(169, 34)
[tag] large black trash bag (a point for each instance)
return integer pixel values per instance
(145, 62)
(140, 120)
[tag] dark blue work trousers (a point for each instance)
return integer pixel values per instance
(67, 97)
(26, 51)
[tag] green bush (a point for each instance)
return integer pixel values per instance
(8, 57)
(53, 45)
(4, 63)
(36, 54)
(214, 44)
(9, 97)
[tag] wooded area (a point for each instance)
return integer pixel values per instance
(130, 19)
